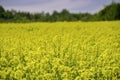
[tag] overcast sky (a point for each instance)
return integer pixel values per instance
(34, 6)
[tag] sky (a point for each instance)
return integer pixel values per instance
(74, 6)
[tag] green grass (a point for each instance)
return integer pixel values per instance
(60, 51)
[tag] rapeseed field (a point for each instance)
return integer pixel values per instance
(60, 51)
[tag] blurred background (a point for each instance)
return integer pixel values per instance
(58, 10)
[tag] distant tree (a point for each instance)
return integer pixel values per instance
(2, 12)
(86, 17)
(65, 15)
(8, 15)
(55, 16)
(37, 17)
(47, 17)
(110, 12)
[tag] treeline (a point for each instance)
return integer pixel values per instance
(110, 12)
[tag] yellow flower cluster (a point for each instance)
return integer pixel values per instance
(60, 51)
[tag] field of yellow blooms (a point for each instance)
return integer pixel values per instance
(60, 51)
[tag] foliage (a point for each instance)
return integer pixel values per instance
(60, 51)
(110, 12)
